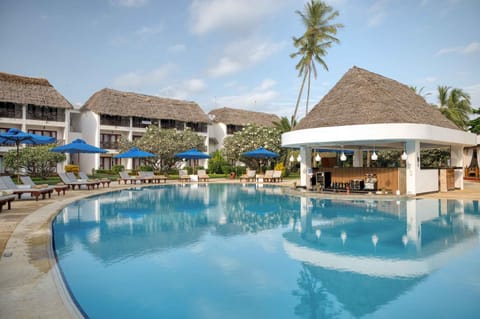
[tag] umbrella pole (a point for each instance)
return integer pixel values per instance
(18, 162)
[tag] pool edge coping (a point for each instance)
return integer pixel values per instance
(30, 292)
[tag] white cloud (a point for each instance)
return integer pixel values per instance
(231, 15)
(224, 67)
(261, 96)
(140, 80)
(266, 84)
(474, 91)
(183, 90)
(147, 31)
(243, 54)
(195, 85)
(177, 48)
(377, 13)
(471, 48)
(129, 3)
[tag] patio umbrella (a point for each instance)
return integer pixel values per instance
(192, 154)
(78, 146)
(134, 153)
(260, 153)
(16, 137)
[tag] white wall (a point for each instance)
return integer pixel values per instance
(427, 181)
(219, 132)
(90, 127)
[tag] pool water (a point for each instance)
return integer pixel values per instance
(251, 251)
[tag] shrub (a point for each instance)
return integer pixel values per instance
(117, 168)
(281, 167)
(72, 168)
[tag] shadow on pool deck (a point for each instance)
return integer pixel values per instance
(29, 281)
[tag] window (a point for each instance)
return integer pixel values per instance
(114, 120)
(167, 124)
(44, 133)
(109, 141)
(107, 162)
(143, 122)
(197, 127)
(136, 137)
(10, 110)
(45, 113)
(179, 125)
(233, 128)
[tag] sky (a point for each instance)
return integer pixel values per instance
(235, 53)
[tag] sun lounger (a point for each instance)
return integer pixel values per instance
(267, 177)
(125, 178)
(6, 183)
(202, 175)
(59, 188)
(75, 183)
(74, 178)
(183, 175)
(103, 181)
(250, 176)
(277, 176)
(6, 197)
(149, 177)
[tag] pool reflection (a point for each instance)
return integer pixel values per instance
(367, 259)
(326, 258)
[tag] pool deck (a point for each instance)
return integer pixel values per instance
(30, 285)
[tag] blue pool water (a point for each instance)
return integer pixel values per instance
(245, 251)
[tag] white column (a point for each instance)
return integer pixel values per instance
(456, 155)
(305, 166)
(412, 166)
(357, 158)
(24, 118)
(306, 215)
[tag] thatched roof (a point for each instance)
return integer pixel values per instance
(363, 97)
(26, 90)
(243, 117)
(112, 102)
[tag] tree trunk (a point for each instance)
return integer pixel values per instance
(308, 91)
(294, 116)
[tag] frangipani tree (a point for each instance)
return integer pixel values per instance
(165, 143)
(249, 138)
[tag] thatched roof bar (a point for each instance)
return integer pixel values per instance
(363, 97)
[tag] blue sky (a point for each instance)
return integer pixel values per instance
(234, 53)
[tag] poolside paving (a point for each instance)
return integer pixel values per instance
(29, 279)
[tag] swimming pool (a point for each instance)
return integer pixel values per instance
(245, 251)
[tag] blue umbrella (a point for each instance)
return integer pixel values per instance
(260, 153)
(78, 146)
(134, 153)
(192, 154)
(14, 136)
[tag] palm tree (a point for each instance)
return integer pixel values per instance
(455, 105)
(284, 125)
(313, 44)
(474, 125)
(419, 91)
